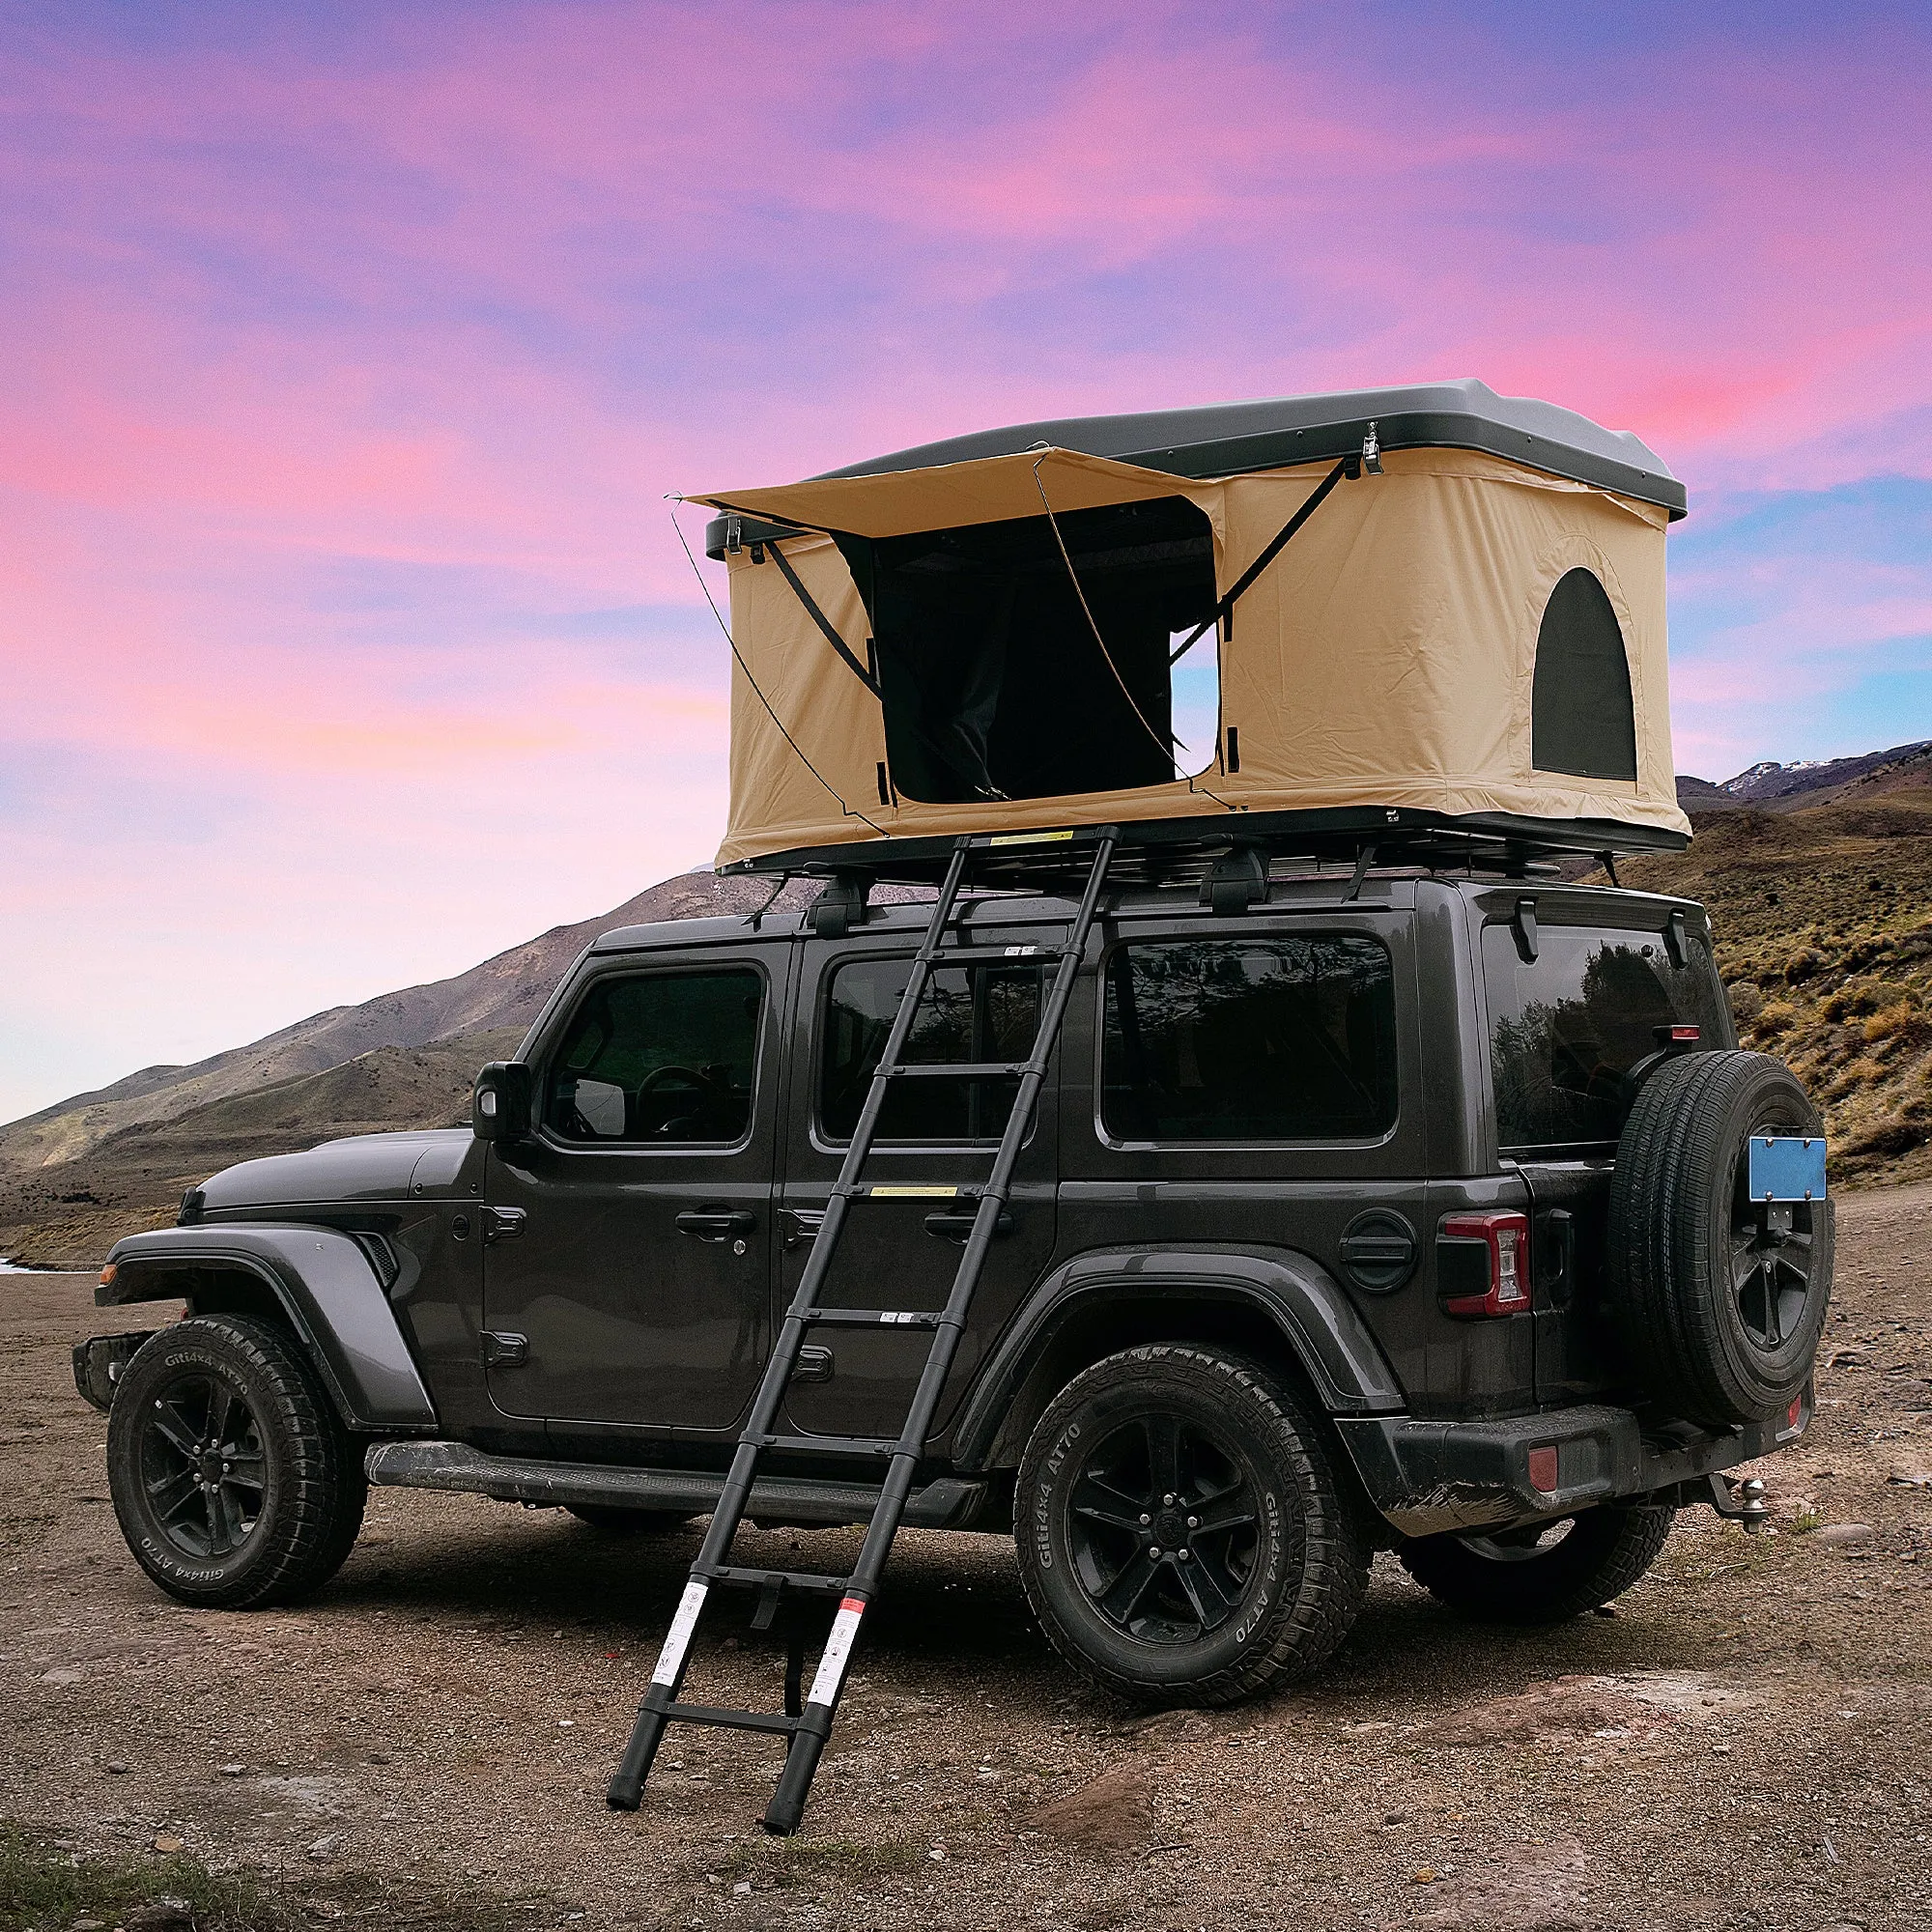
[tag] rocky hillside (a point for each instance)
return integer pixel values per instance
(1818, 878)
(1823, 915)
(78, 1174)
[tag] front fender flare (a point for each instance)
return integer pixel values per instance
(1343, 1361)
(323, 1283)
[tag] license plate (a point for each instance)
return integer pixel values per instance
(1786, 1168)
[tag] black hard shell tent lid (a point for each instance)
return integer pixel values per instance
(1438, 611)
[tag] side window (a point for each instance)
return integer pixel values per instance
(968, 1013)
(1581, 720)
(1566, 1026)
(1249, 1040)
(659, 1059)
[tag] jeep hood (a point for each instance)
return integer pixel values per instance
(365, 1167)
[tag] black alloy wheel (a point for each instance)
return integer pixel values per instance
(1165, 1527)
(1182, 1535)
(202, 1465)
(1772, 1251)
(1540, 1573)
(234, 1480)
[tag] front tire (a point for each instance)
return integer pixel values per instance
(1544, 1572)
(1182, 1537)
(235, 1483)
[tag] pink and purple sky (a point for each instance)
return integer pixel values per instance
(347, 354)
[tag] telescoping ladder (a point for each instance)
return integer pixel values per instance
(807, 1724)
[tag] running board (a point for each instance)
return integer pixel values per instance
(949, 1502)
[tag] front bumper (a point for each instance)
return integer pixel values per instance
(1430, 1477)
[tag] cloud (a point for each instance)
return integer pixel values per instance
(351, 356)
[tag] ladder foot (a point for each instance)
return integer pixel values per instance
(626, 1793)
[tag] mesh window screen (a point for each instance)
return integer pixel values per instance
(1580, 720)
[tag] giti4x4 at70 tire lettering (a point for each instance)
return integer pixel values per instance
(1181, 1534)
(1720, 1300)
(234, 1481)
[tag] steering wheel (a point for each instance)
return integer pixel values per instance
(658, 1076)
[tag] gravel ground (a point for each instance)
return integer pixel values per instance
(1743, 1745)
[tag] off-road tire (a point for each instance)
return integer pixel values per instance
(613, 1520)
(1606, 1551)
(1307, 1572)
(1673, 1225)
(312, 1488)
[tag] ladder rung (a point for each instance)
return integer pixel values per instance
(737, 1576)
(956, 1069)
(871, 1317)
(732, 1720)
(828, 1445)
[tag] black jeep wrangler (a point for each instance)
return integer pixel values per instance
(1415, 1209)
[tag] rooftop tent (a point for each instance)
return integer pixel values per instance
(1465, 631)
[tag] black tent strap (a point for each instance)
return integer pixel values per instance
(824, 623)
(1350, 466)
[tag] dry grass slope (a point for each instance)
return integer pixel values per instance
(1823, 918)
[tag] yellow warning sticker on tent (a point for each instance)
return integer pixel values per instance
(883, 1192)
(1030, 838)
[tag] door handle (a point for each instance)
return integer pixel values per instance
(715, 1224)
(958, 1227)
(814, 1365)
(503, 1224)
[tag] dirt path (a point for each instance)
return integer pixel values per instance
(1743, 1744)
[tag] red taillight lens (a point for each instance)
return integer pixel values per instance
(1505, 1285)
(1543, 1469)
(1685, 1036)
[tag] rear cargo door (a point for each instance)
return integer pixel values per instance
(1579, 988)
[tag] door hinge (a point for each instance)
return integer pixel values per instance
(504, 1351)
(503, 1224)
(814, 1365)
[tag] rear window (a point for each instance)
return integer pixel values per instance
(1249, 1040)
(1566, 1026)
(974, 1014)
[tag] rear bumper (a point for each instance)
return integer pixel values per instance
(1430, 1477)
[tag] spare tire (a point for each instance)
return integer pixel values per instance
(1720, 1307)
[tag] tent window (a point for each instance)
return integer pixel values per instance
(990, 678)
(1580, 718)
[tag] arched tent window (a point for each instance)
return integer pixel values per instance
(1580, 718)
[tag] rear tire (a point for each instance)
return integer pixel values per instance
(235, 1483)
(1169, 1449)
(1720, 1312)
(1513, 1576)
(614, 1520)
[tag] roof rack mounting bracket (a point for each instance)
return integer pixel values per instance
(842, 905)
(1237, 880)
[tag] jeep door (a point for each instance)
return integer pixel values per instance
(627, 1276)
(902, 1248)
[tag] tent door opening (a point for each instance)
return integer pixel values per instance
(990, 677)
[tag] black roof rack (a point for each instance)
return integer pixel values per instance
(1184, 851)
(1235, 438)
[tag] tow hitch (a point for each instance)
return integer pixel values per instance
(1736, 1501)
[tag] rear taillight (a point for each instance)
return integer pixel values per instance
(1483, 1264)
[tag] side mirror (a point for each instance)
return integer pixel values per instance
(502, 1107)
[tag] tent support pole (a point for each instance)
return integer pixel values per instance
(1223, 611)
(824, 623)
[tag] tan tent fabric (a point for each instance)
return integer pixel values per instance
(1385, 657)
